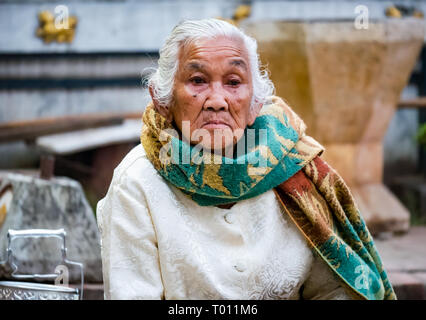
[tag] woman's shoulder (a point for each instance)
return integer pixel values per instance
(134, 167)
(131, 178)
(125, 200)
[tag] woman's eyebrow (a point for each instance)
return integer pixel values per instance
(198, 66)
(239, 63)
(194, 66)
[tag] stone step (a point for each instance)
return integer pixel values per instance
(404, 259)
(409, 286)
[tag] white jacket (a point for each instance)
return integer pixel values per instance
(157, 243)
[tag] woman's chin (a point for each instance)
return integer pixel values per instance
(217, 147)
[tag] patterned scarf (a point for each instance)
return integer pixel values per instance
(283, 158)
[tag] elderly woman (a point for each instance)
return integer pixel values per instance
(226, 197)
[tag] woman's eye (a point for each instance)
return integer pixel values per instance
(234, 82)
(197, 80)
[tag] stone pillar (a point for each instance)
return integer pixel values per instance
(345, 84)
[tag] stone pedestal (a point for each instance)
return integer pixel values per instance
(345, 84)
(50, 204)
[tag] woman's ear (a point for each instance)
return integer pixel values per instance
(163, 110)
(254, 112)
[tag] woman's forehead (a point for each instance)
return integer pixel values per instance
(232, 51)
(195, 65)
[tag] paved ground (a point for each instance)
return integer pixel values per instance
(404, 258)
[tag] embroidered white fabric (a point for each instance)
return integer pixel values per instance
(159, 244)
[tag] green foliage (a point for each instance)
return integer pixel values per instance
(421, 135)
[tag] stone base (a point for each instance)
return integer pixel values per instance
(404, 259)
(345, 84)
(409, 286)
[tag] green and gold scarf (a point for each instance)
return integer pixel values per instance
(280, 156)
(276, 151)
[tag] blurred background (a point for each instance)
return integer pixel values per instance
(72, 93)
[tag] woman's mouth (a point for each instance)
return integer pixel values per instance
(215, 124)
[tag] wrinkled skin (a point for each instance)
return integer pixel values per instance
(213, 91)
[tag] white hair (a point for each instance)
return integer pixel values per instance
(162, 80)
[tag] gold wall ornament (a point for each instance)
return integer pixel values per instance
(51, 30)
(400, 11)
(241, 12)
(418, 14)
(393, 12)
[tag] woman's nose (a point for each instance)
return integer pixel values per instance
(216, 100)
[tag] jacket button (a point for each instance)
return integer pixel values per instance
(240, 267)
(230, 218)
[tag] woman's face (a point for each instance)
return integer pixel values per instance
(213, 92)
